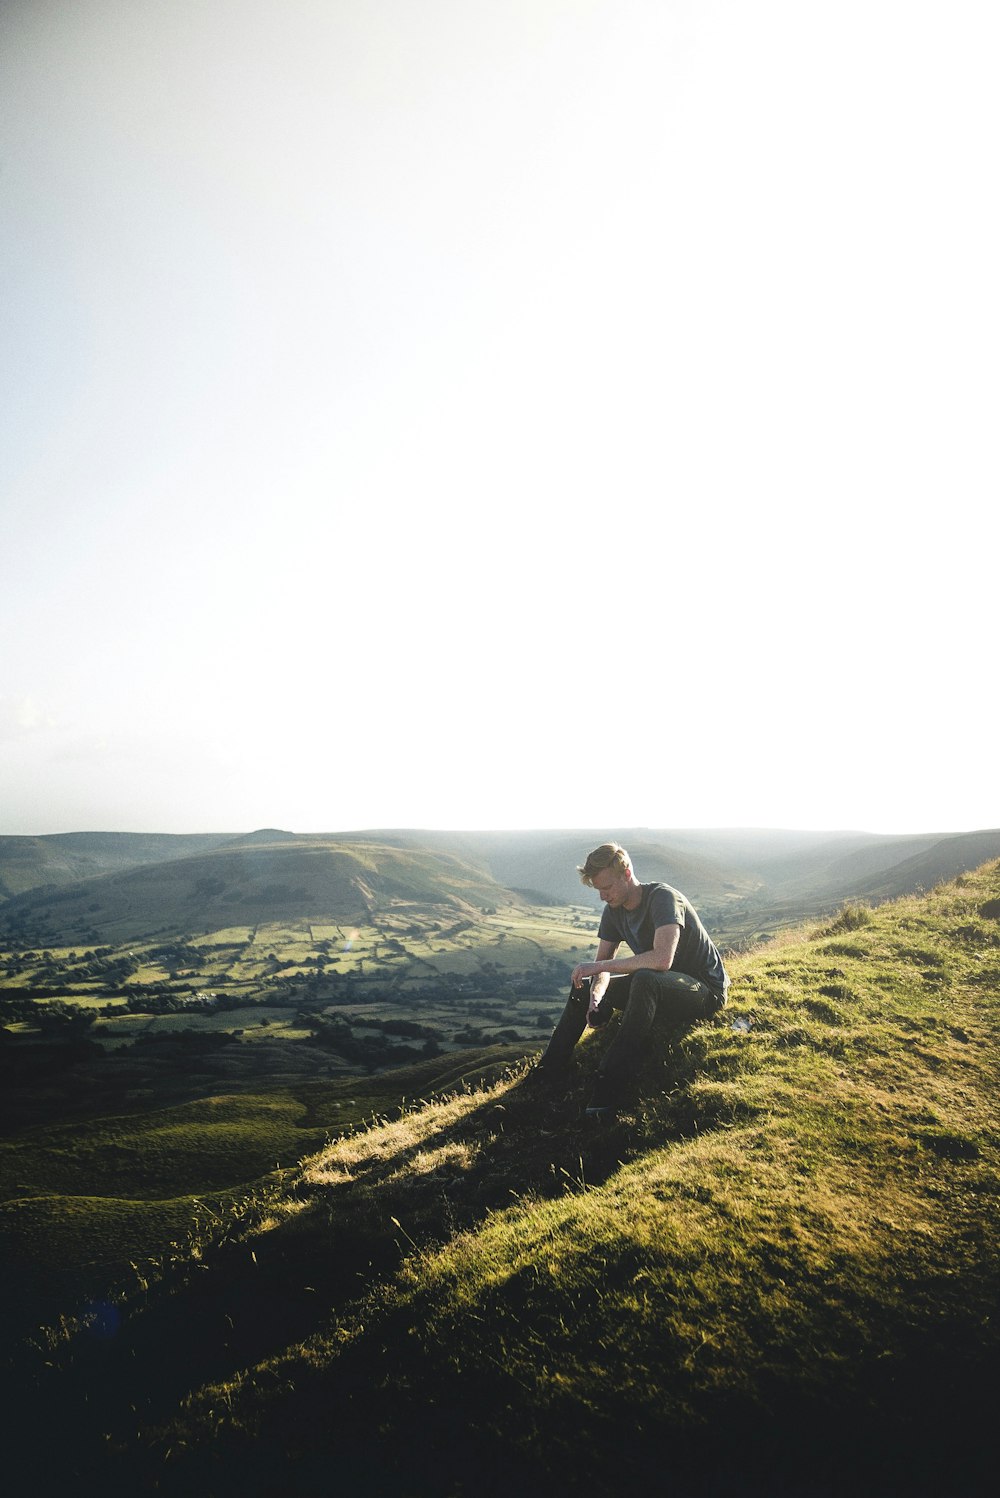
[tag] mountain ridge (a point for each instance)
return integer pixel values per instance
(53, 893)
(58, 858)
(244, 883)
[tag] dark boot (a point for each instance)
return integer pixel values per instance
(605, 1099)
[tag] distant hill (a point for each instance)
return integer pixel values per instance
(831, 864)
(944, 859)
(117, 884)
(246, 884)
(262, 838)
(547, 862)
(65, 857)
(862, 866)
(806, 870)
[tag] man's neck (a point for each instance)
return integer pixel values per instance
(634, 897)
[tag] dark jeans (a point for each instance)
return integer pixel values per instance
(642, 996)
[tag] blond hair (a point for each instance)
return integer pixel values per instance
(607, 856)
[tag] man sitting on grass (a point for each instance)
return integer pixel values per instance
(675, 970)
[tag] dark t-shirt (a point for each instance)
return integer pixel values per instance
(697, 955)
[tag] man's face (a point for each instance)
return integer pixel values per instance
(613, 886)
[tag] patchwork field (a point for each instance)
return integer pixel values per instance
(247, 976)
(149, 1085)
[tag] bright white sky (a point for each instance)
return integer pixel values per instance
(499, 413)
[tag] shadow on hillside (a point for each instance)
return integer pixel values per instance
(248, 1297)
(524, 1140)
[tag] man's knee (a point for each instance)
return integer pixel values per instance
(645, 985)
(681, 996)
(644, 992)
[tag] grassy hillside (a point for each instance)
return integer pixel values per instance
(947, 857)
(775, 1274)
(91, 1202)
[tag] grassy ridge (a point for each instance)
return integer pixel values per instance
(776, 1273)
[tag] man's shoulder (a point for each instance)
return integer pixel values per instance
(664, 899)
(650, 891)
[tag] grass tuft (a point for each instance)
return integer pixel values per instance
(852, 917)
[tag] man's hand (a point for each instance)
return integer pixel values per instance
(598, 984)
(585, 970)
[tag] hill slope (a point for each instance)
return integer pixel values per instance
(946, 858)
(774, 1274)
(745, 880)
(546, 862)
(63, 858)
(245, 884)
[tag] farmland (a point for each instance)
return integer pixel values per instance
(150, 1084)
(403, 978)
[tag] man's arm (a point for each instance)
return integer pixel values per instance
(599, 970)
(605, 951)
(661, 958)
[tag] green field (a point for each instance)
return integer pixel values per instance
(246, 975)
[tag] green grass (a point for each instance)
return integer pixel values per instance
(82, 1204)
(79, 1203)
(219, 1142)
(775, 1273)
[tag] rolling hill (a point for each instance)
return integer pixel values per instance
(245, 883)
(926, 867)
(545, 863)
(786, 874)
(64, 858)
(744, 880)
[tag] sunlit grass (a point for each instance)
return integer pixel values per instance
(389, 1139)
